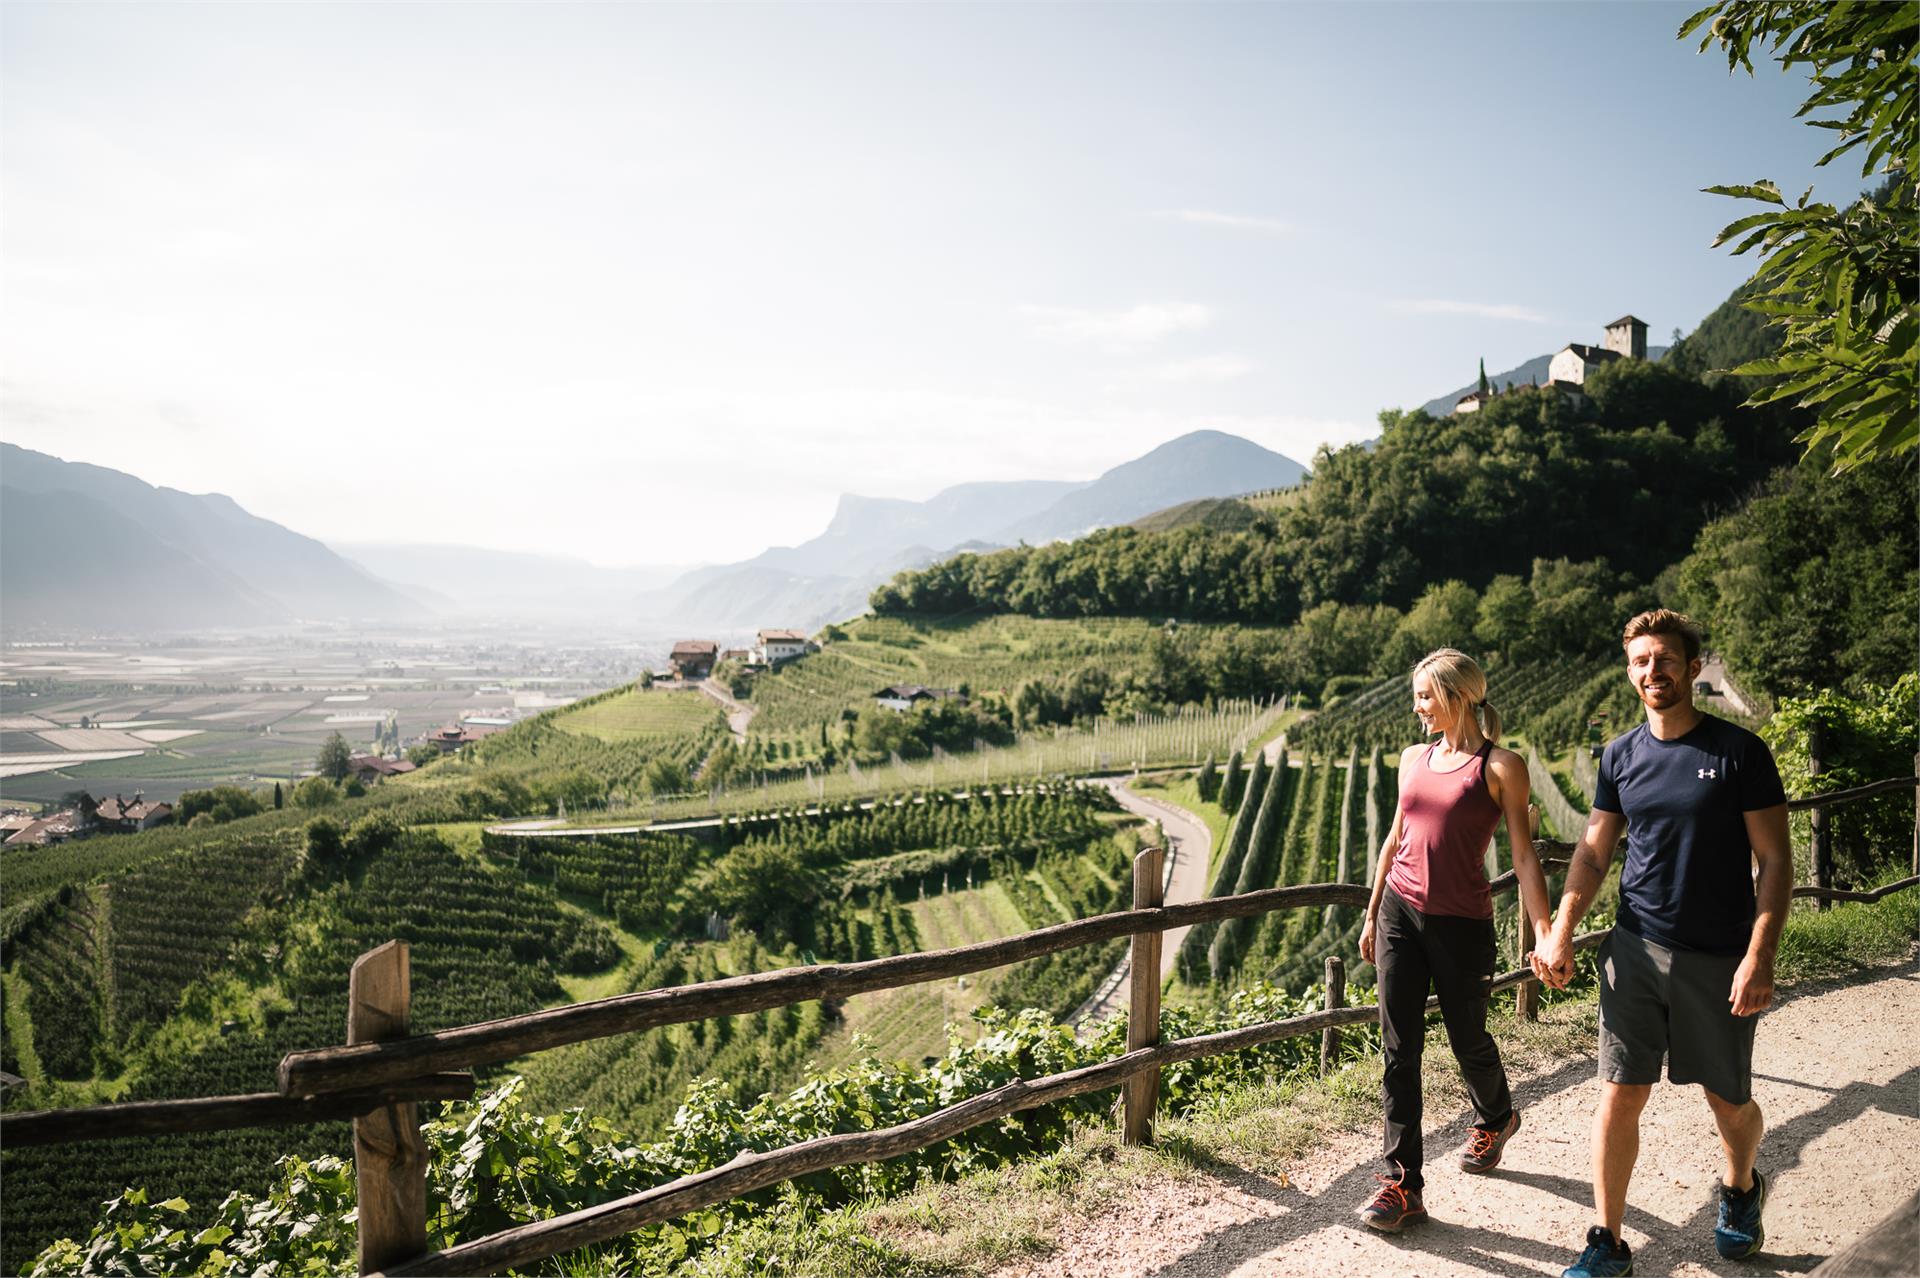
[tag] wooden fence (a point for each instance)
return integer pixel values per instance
(382, 1072)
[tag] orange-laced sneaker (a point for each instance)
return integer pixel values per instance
(1393, 1206)
(1483, 1146)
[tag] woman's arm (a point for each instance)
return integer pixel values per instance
(1507, 781)
(1387, 849)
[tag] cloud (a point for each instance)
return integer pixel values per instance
(1206, 368)
(1147, 322)
(1232, 221)
(1479, 310)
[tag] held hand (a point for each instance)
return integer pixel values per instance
(1366, 941)
(1752, 987)
(1553, 960)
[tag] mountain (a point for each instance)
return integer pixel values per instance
(470, 579)
(1203, 463)
(829, 577)
(1534, 370)
(85, 546)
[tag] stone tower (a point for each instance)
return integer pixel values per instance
(1628, 337)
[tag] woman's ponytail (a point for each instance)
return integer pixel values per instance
(1490, 722)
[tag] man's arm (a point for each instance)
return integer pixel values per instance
(1553, 960)
(1773, 893)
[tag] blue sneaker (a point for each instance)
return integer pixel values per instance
(1603, 1258)
(1739, 1233)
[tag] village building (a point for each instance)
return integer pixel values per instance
(452, 737)
(371, 768)
(741, 656)
(771, 647)
(117, 816)
(48, 830)
(694, 658)
(908, 696)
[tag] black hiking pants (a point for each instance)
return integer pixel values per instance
(1455, 957)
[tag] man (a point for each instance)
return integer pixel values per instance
(1689, 965)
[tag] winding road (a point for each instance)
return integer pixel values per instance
(1189, 850)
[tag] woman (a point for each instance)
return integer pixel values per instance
(1430, 920)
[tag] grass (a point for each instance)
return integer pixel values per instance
(1848, 936)
(641, 714)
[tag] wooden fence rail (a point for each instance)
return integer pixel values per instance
(377, 1081)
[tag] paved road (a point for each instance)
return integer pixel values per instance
(1189, 849)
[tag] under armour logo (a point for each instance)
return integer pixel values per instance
(1708, 774)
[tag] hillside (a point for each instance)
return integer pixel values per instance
(827, 578)
(86, 546)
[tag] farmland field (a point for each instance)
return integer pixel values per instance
(642, 714)
(162, 719)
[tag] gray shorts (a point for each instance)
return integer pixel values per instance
(1659, 1003)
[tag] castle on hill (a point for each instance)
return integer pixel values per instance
(1626, 338)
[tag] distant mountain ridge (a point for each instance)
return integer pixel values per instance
(86, 546)
(828, 577)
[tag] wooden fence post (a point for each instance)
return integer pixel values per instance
(1822, 833)
(1142, 1091)
(1916, 817)
(389, 1155)
(1526, 995)
(1336, 997)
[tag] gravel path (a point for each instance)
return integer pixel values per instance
(1837, 1073)
(1189, 849)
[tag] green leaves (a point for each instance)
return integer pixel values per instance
(1840, 282)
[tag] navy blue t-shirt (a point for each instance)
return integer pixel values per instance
(1687, 882)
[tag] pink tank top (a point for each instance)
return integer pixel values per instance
(1446, 822)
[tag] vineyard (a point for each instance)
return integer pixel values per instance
(1312, 819)
(641, 714)
(1182, 737)
(484, 945)
(1548, 703)
(609, 738)
(994, 655)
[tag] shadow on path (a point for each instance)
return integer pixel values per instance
(1512, 1252)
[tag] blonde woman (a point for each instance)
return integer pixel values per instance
(1429, 923)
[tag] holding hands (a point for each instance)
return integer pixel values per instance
(1552, 959)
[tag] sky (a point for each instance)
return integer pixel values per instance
(656, 283)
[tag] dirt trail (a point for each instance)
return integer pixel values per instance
(739, 714)
(1836, 1071)
(1189, 848)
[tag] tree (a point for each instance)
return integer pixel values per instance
(316, 792)
(664, 776)
(279, 797)
(336, 758)
(1838, 281)
(1483, 375)
(1208, 781)
(1230, 785)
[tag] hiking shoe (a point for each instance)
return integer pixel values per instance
(1393, 1207)
(1739, 1233)
(1482, 1153)
(1603, 1257)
